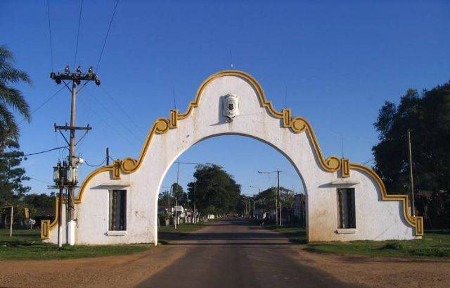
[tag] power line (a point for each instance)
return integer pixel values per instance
(38, 180)
(45, 151)
(98, 115)
(113, 115)
(50, 33)
(43, 103)
(94, 165)
(78, 33)
(35, 153)
(107, 34)
(122, 110)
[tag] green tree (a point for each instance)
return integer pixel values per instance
(40, 204)
(165, 199)
(265, 200)
(428, 116)
(214, 190)
(11, 99)
(391, 154)
(12, 188)
(12, 175)
(178, 194)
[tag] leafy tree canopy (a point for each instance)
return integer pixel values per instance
(12, 175)
(427, 114)
(11, 99)
(265, 200)
(214, 190)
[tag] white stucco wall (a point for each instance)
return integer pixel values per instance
(375, 219)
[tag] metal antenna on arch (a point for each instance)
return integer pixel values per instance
(231, 60)
(285, 96)
(174, 98)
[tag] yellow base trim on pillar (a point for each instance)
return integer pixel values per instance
(45, 229)
(419, 226)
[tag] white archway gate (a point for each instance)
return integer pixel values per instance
(377, 215)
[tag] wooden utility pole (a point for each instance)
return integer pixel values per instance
(193, 216)
(278, 193)
(277, 197)
(411, 176)
(60, 209)
(175, 194)
(11, 220)
(73, 161)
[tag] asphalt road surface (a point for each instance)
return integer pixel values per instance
(237, 254)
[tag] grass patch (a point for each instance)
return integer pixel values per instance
(27, 245)
(170, 233)
(295, 234)
(433, 245)
(182, 228)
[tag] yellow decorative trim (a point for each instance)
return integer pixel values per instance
(55, 221)
(173, 119)
(128, 165)
(297, 125)
(115, 170)
(46, 226)
(287, 120)
(162, 125)
(45, 229)
(264, 102)
(345, 169)
(419, 226)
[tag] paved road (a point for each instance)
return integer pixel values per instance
(237, 254)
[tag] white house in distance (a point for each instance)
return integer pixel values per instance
(345, 201)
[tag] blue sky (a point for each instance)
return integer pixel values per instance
(339, 61)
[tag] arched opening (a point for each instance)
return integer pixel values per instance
(253, 164)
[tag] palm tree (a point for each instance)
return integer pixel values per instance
(11, 99)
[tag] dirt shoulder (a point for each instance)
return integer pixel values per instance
(129, 270)
(379, 272)
(113, 271)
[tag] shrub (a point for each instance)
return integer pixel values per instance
(430, 252)
(393, 246)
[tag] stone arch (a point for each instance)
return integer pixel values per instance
(292, 136)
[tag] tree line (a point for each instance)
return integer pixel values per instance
(427, 114)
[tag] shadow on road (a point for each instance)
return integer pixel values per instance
(227, 233)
